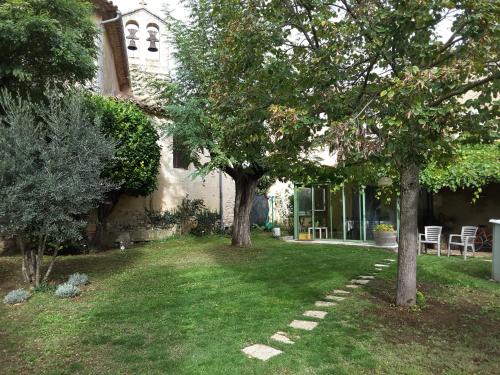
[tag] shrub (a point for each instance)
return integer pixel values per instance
(16, 296)
(383, 228)
(77, 279)
(421, 300)
(207, 222)
(67, 290)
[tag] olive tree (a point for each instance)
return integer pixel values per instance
(51, 162)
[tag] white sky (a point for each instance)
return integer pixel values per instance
(155, 6)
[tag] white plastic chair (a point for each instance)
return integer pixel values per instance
(432, 235)
(465, 239)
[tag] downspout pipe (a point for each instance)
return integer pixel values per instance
(118, 17)
(221, 201)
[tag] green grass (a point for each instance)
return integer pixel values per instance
(189, 305)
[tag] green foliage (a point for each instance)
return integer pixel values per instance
(421, 300)
(236, 93)
(51, 163)
(67, 290)
(78, 279)
(383, 228)
(45, 288)
(190, 216)
(16, 296)
(207, 222)
(46, 41)
(473, 166)
(137, 152)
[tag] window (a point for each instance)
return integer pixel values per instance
(180, 154)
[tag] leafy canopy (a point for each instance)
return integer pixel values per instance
(46, 40)
(137, 151)
(237, 98)
(388, 83)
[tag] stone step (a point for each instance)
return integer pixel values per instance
(306, 325)
(324, 304)
(340, 291)
(334, 298)
(315, 314)
(260, 351)
(360, 282)
(282, 337)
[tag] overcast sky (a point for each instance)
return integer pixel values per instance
(156, 6)
(178, 11)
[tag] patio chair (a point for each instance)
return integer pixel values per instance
(465, 239)
(432, 235)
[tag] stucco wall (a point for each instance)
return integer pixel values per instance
(106, 80)
(173, 185)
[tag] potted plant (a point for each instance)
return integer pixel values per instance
(385, 235)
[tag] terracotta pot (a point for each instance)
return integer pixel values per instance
(386, 239)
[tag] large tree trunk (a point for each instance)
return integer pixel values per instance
(245, 193)
(103, 212)
(408, 231)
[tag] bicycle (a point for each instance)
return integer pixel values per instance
(484, 239)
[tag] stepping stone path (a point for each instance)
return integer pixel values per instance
(282, 337)
(306, 325)
(334, 298)
(340, 291)
(315, 314)
(265, 352)
(262, 352)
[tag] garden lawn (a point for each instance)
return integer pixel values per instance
(189, 305)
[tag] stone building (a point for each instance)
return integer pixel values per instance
(150, 57)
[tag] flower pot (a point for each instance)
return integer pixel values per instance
(276, 232)
(385, 239)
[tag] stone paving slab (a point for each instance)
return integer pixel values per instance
(352, 286)
(360, 282)
(390, 260)
(260, 351)
(334, 298)
(367, 277)
(381, 265)
(306, 325)
(324, 304)
(315, 314)
(340, 291)
(282, 337)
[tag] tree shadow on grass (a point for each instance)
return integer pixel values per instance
(98, 264)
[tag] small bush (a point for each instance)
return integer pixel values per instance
(421, 301)
(77, 279)
(67, 290)
(384, 228)
(16, 296)
(207, 222)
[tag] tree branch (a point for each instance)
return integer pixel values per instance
(467, 87)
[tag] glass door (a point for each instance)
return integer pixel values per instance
(353, 213)
(305, 213)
